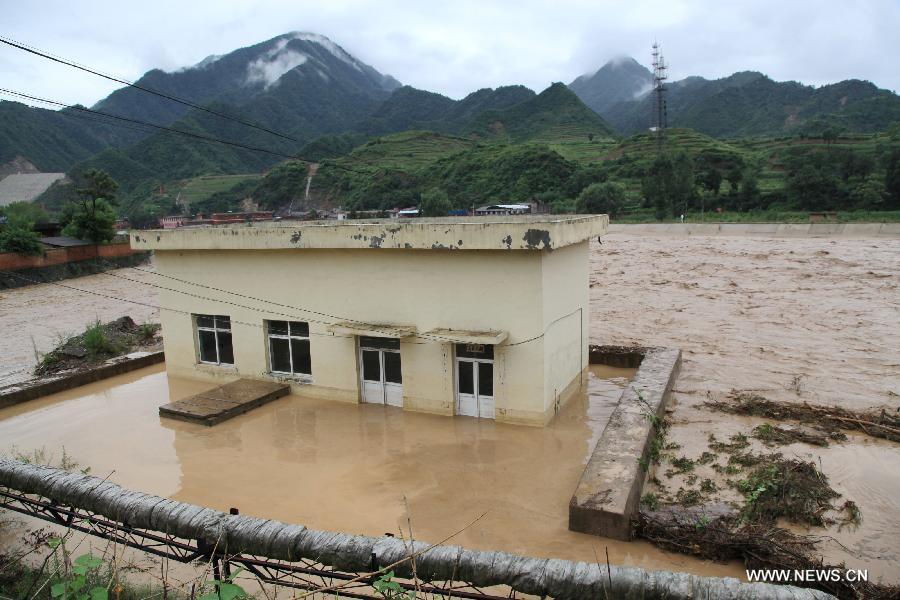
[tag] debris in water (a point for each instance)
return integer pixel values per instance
(830, 419)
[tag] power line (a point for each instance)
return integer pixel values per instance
(70, 63)
(336, 318)
(146, 124)
(257, 325)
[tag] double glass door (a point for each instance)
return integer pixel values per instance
(475, 380)
(382, 381)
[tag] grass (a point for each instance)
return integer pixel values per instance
(201, 188)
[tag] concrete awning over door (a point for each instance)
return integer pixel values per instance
(463, 336)
(372, 329)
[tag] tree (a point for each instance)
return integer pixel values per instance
(17, 234)
(658, 186)
(94, 221)
(601, 198)
(92, 217)
(434, 203)
(711, 180)
(748, 197)
(813, 189)
(892, 178)
(682, 182)
(734, 176)
(869, 194)
(25, 212)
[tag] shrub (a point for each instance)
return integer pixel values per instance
(17, 238)
(435, 203)
(601, 198)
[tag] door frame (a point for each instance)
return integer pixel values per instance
(475, 384)
(383, 382)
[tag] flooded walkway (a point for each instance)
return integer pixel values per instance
(347, 467)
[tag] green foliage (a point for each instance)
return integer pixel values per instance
(90, 220)
(390, 589)
(892, 178)
(92, 217)
(601, 198)
(225, 589)
(24, 213)
(658, 186)
(96, 341)
(434, 203)
(78, 579)
(19, 238)
(650, 500)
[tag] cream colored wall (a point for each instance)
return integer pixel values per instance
(475, 290)
(565, 274)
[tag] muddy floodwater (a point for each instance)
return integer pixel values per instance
(803, 319)
(35, 318)
(794, 320)
(347, 467)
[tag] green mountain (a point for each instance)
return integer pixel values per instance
(747, 103)
(555, 111)
(302, 85)
(55, 140)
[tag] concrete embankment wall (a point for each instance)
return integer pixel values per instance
(849, 230)
(40, 387)
(56, 256)
(19, 276)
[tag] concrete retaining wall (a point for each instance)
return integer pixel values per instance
(858, 230)
(10, 261)
(37, 388)
(66, 270)
(609, 491)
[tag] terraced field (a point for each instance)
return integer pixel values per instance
(408, 151)
(201, 188)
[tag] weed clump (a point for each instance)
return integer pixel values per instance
(98, 342)
(791, 488)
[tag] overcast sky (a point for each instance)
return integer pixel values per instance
(455, 47)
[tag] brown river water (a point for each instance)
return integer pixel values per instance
(793, 319)
(801, 319)
(347, 467)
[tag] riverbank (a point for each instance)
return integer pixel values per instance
(778, 230)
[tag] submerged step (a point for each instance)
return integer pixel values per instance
(224, 402)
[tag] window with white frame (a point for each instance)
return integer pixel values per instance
(214, 339)
(289, 347)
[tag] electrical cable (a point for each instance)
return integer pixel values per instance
(146, 124)
(70, 63)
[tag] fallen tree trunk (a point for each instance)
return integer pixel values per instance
(233, 534)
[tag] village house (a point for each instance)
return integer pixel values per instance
(482, 317)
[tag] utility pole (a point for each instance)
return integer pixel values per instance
(660, 74)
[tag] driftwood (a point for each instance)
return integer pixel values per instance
(232, 534)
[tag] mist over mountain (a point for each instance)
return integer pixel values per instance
(300, 84)
(622, 79)
(326, 102)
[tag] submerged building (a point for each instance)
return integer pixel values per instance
(482, 317)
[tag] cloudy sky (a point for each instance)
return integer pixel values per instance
(455, 47)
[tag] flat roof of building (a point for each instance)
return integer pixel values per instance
(498, 232)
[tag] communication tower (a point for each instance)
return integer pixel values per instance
(660, 74)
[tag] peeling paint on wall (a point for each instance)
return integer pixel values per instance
(533, 239)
